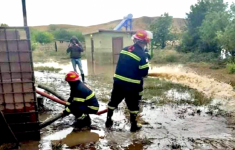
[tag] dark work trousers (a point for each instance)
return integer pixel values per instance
(130, 94)
(79, 110)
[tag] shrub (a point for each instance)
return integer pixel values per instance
(231, 68)
(44, 37)
(171, 58)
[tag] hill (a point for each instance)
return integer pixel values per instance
(138, 23)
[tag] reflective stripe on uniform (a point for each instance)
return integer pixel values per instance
(90, 96)
(144, 66)
(78, 99)
(134, 112)
(82, 99)
(67, 103)
(126, 79)
(82, 117)
(68, 110)
(111, 107)
(93, 107)
(131, 55)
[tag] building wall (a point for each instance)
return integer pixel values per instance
(103, 45)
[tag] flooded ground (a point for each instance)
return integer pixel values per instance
(180, 115)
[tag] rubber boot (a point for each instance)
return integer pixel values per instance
(84, 122)
(134, 125)
(109, 121)
(83, 78)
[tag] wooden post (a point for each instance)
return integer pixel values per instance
(55, 46)
(92, 54)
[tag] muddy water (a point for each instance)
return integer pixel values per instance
(208, 86)
(169, 126)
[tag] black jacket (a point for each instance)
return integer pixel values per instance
(75, 51)
(82, 95)
(132, 66)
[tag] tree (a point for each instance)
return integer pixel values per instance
(33, 34)
(213, 23)
(44, 37)
(161, 30)
(226, 38)
(191, 37)
(65, 35)
(4, 25)
(52, 27)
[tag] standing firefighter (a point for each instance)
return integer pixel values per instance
(132, 66)
(75, 49)
(82, 101)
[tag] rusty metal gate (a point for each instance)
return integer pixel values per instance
(17, 91)
(117, 47)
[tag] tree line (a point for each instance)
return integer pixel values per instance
(210, 27)
(54, 33)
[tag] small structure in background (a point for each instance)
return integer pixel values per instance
(107, 45)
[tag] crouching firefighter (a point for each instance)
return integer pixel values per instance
(132, 66)
(82, 101)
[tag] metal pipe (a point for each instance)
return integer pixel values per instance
(24, 13)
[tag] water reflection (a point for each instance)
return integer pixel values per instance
(76, 138)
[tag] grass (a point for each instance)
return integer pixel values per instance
(231, 68)
(172, 56)
(47, 69)
(47, 53)
(155, 90)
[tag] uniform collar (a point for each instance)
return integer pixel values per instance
(137, 46)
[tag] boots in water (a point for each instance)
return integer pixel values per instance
(134, 125)
(83, 78)
(109, 121)
(83, 121)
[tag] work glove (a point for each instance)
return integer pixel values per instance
(66, 111)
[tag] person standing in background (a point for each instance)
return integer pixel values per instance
(75, 49)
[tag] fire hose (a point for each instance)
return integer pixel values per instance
(61, 115)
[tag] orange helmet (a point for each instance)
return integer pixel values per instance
(72, 76)
(141, 35)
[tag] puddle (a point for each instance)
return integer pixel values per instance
(176, 95)
(65, 68)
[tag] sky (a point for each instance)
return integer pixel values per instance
(88, 12)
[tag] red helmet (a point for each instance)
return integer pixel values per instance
(72, 76)
(141, 35)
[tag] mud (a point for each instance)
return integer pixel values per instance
(167, 126)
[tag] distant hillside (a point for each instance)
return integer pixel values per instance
(138, 23)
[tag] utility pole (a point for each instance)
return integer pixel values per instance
(24, 13)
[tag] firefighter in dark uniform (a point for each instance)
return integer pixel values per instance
(82, 101)
(131, 68)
